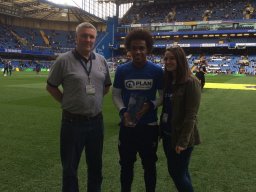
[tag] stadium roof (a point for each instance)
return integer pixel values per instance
(122, 1)
(140, 1)
(45, 10)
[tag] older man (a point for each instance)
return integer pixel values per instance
(85, 79)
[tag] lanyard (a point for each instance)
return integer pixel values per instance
(85, 68)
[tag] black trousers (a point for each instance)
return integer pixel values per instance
(142, 139)
(6, 70)
(80, 134)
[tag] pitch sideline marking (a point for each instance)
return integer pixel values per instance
(250, 87)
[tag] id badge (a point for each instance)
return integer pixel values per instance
(90, 89)
(164, 118)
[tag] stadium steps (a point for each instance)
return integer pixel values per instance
(45, 38)
(20, 39)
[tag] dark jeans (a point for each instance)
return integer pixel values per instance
(202, 85)
(178, 165)
(142, 139)
(6, 70)
(76, 135)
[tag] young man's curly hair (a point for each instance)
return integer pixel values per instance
(139, 34)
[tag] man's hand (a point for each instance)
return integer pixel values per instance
(127, 120)
(179, 149)
(145, 108)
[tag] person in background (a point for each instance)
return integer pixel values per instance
(85, 79)
(200, 74)
(6, 67)
(134, 93)
(38, 68)
(129, 56)
(10, 67)
(182, 94)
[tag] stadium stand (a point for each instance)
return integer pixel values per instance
(190, 11)
(226, 27)
(33, 32)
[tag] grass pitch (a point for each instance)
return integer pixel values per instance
(29, 139)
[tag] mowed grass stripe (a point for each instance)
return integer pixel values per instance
(29, 85)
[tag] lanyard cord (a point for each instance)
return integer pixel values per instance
(85, 68)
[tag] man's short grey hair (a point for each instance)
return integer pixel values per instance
(85, 25)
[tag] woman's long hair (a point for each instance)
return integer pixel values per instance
(183, 71)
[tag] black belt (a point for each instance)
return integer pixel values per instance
(68, 115)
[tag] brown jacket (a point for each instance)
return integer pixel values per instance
(185, 104)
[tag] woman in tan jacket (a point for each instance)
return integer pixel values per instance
(182, 94)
